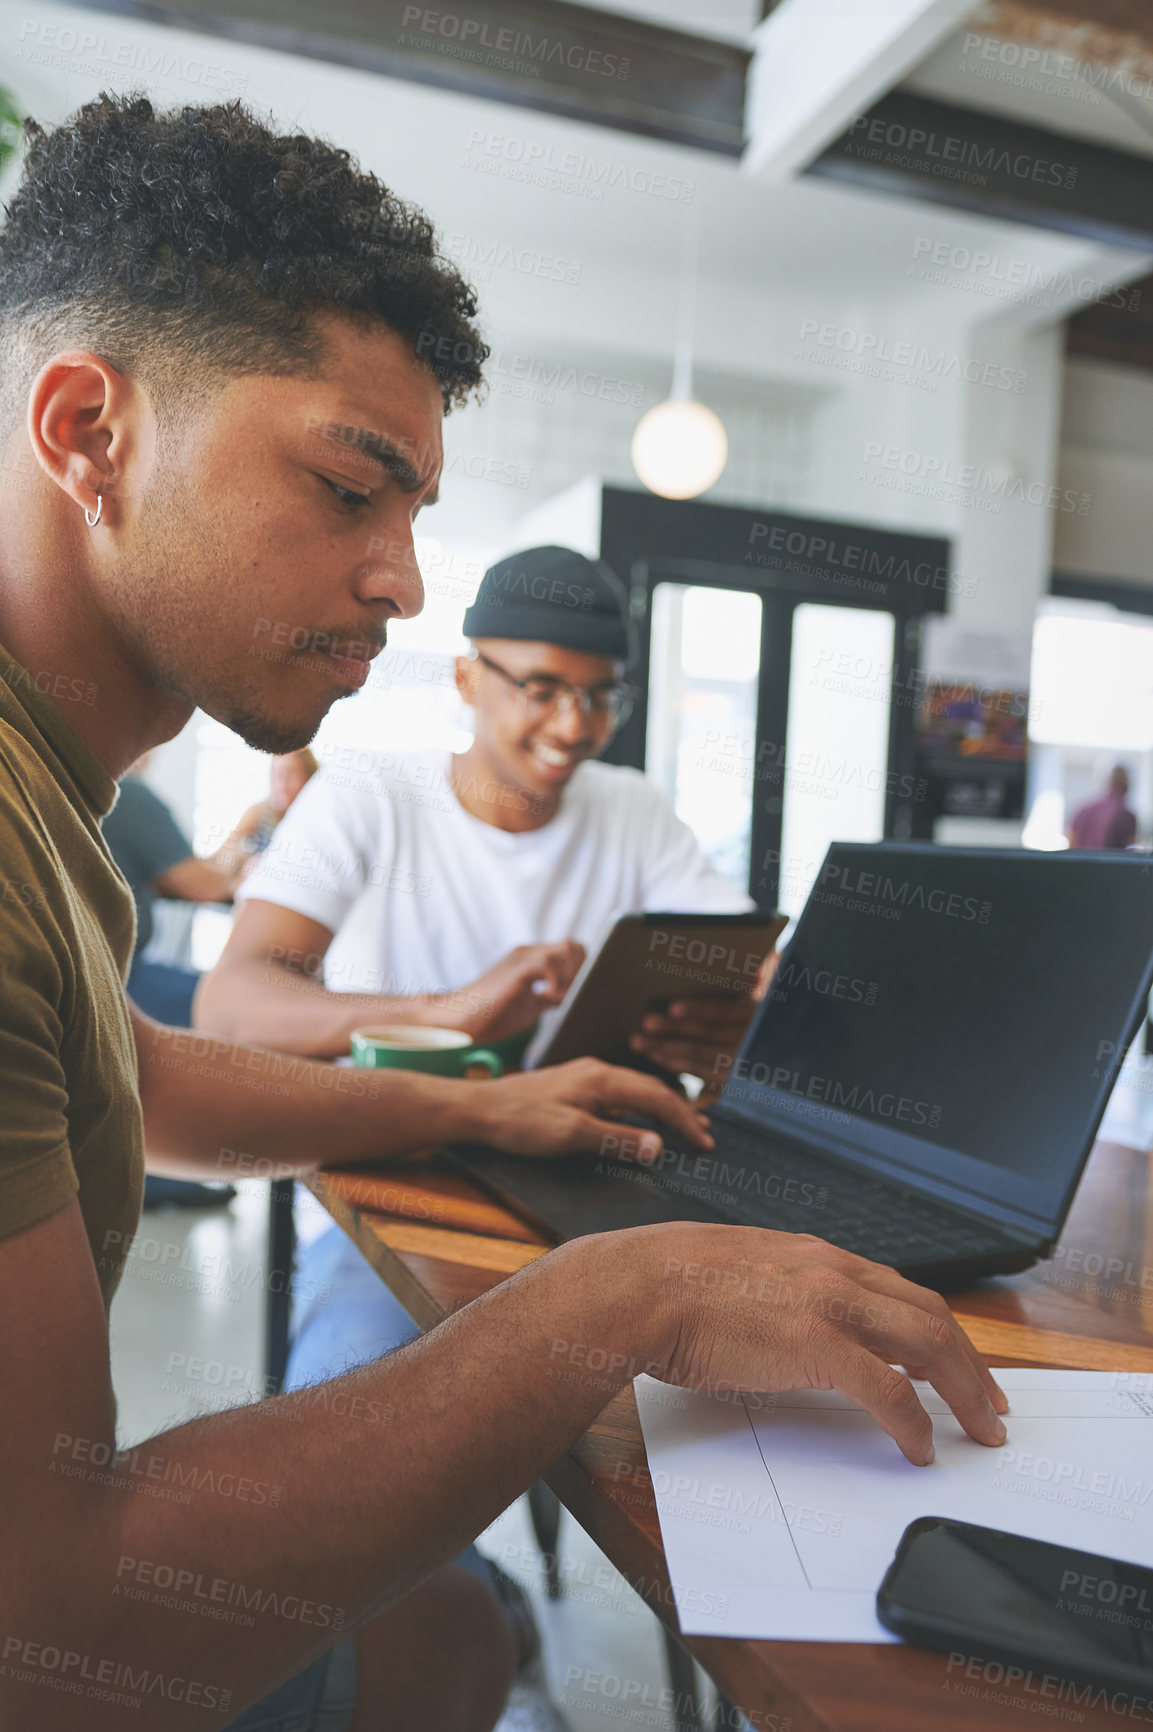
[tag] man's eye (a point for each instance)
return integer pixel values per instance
(348, 497)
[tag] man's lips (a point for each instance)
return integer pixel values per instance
(554, 760)
(351, 662)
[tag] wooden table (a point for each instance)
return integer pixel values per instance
(1089, 1307)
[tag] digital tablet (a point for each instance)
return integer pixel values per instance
(647, 961)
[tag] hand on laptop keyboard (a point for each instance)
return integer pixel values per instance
(577, 1108)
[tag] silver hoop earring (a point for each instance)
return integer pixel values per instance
(90, 520)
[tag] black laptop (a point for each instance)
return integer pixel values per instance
(924, 1081)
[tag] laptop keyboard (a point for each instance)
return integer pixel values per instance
(761, 1183)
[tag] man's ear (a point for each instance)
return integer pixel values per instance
(466, 675)
(89, 426)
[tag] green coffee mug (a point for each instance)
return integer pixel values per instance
(438, 1051)
(512, 1048)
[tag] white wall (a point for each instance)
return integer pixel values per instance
(1107, 451)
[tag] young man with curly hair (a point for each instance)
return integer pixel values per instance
(221, 391)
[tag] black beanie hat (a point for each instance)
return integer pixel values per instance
(557, 596)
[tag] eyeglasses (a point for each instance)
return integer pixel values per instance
(545, 693)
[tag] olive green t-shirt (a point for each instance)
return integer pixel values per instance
(70, 1119)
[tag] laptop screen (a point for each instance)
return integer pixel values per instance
(955, 1016)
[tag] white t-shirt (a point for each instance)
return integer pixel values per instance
(423, 897)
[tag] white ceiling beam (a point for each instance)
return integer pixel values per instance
(818, 64)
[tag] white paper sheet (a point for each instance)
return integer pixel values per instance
(780, 1514)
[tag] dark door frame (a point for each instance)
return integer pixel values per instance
(785, 559)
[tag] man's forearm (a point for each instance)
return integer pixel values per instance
(207, 1101)
(352, 1491)
(265, 1003)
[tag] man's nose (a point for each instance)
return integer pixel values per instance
(392, 574)
(568, 720)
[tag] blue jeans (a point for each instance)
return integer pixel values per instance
(343, 1315)
(164, 991)
(322, 1698)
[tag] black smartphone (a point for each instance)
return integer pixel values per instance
(995, 1597)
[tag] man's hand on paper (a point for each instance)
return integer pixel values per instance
(574, 1108)
(767, 1311)
(510, 996)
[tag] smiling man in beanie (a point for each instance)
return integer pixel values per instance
(464, 891)
(520, 852)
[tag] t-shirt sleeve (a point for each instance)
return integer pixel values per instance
(329, 845)
(677, 877)
(37, 1176)
(142, 834)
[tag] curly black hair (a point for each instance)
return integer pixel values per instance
(198, 243)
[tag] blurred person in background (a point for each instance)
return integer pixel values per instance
(288, 773)
(1108, 821)
(157, 859)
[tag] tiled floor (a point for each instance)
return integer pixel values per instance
(187, 1338)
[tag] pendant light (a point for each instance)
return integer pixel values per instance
(680, 447)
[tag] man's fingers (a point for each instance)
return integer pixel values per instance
(907, 1334)
(765, 976)
(630, 1091)
(548, 990)
(618, 1142)
(884, 1280)
(886, 1395)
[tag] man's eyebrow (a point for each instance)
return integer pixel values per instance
(383, 450)
(559, 680)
